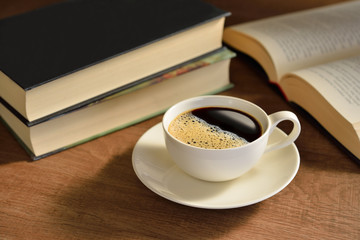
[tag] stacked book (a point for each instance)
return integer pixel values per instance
(80, 69)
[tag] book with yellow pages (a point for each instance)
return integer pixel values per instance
(313, 56)
(208, 75)
(50, 63)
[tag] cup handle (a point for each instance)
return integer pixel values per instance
(275, 119)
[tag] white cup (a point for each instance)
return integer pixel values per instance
(230, 163)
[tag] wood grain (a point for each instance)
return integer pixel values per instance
(92, 192)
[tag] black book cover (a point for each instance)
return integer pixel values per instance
(48, 43)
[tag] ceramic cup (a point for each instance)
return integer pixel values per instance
(230, 163)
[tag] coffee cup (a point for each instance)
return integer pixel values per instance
(224, 163)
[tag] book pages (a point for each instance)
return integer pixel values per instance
(307, 38)
(339, 83)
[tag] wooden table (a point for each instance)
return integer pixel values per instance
(92, 192)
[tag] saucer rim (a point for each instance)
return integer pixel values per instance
(214, 206)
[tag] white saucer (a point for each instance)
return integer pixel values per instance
(156, 170)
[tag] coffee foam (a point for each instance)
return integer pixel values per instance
(196, 132)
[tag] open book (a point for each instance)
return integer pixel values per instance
(314, 58)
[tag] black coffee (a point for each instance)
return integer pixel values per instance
(215, 128)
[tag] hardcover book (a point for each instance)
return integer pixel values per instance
(208, 75)
(63, 55)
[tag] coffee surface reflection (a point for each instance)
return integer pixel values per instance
(215, 128)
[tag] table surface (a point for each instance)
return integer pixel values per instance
(92, 192)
